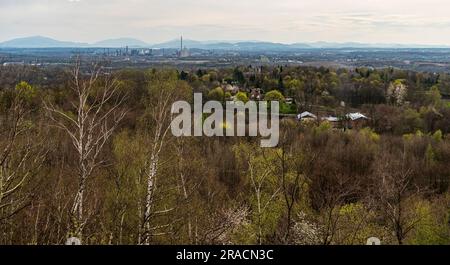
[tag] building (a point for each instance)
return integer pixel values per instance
(349, 121)
(306, 116)
(13, 63)
(184, 52)
(334, 121)
(289, 101)
(355, 120)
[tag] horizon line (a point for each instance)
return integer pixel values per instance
(230, 41)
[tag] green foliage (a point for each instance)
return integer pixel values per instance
(262, 182)
(370, 134)
(288, 108)
(399, 82)
(206, 78)
(430, 156)
(419, 134)
(274, 95)
(25, 91)
(238, 75)
(167, 81)
(408, 137)
(242, 96)
(323, 127)
(413, 137)
(432, 228)
(216, 94)
(293, 84)
(161, 84)
(411, 121)
(339, 173)
(433, 97)
(355, 226)
(437, 136)
(128, 183)
(23, 96)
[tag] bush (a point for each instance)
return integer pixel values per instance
(216, 94)
(274, 95)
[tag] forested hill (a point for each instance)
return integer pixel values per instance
(83, 153)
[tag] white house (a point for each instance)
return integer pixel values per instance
(306, 116)
(356, 116)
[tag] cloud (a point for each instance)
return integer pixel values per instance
(281, 20)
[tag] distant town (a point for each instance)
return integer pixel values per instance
(187, 54)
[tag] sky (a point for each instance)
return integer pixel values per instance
(284, 21)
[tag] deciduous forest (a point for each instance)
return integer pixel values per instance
(86, 151)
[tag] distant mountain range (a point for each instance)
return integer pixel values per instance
(40, 42)
(44, 42)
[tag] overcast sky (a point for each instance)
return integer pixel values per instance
(287, 21)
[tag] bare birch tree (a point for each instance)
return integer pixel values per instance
(258, 180)
(164, 89)
(95, 114)
(264, 185)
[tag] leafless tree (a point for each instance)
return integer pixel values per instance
(335, 193)
(180, 147)
(21, 156)
(393, 187)
(94, 115)
(164, 93)
(223, 223)
(291, 172)
(189, 181)
(258, 180)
